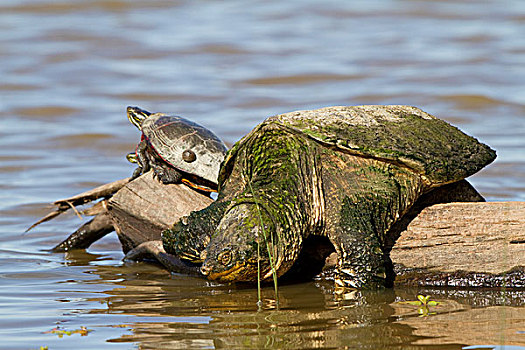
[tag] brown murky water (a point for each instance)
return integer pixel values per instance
(69, 69)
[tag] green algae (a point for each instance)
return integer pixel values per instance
(427, 145)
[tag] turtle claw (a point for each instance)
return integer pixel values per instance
(166, 174)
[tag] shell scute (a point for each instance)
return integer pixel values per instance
(403, 135)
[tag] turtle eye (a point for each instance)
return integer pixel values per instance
(188, 156)
(225, 257)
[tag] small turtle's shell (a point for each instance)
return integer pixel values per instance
(402, 135)
(185, 145)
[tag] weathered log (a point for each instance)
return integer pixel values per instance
(456, 244)
(87, 234)
(464, 244)
(105, 190)
(145, 207)
(138, 211)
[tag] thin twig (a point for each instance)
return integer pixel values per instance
(75, 210)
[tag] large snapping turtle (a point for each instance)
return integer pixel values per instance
(346, 173)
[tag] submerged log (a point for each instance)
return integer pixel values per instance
(87, 234)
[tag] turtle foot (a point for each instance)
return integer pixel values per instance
(136, 173)
(166, 175)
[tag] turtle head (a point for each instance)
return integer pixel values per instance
(137, 115)
(238, 245)
(132, 157)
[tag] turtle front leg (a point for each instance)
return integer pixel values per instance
(141, 158)
(188, 238)
(361, 258)
(361, 263)
(166, 174)
(156, 250)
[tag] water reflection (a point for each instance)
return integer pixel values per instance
(182, 312)
(68, 71)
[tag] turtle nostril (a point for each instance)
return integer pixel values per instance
(205, 270)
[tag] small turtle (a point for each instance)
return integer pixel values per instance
(344, 173)
(177, 149)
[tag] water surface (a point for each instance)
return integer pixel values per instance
(69, 69)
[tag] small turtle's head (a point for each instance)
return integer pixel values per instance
(137, 115)
(237, 246)
(132, 157)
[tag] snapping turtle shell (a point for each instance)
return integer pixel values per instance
(345, 173)
(402, 135)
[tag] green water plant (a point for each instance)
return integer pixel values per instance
(270, 255)
(423, 303)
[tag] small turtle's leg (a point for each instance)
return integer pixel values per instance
(170, 262)
(87, 234)
(142, 157)
(132, 158)
(166, 173)
(136, 173)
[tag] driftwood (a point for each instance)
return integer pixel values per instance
(106, 190)
(474, 244)
(138, 211)
(464, 244)
(145, 207)
(87, 234)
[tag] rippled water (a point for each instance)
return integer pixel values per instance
(69, 69)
